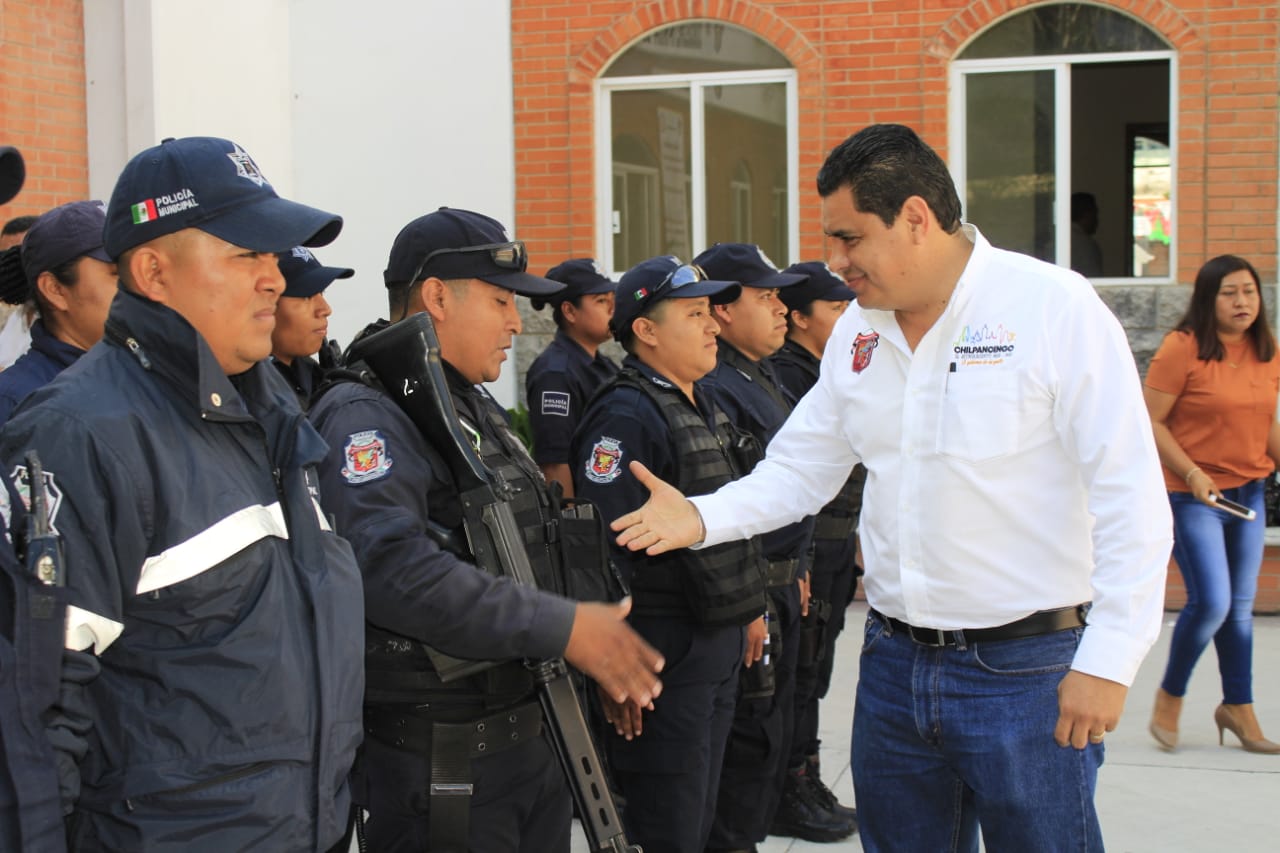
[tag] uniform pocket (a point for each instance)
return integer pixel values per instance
(981, 414)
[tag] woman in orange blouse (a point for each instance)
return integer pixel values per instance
(1211, 392)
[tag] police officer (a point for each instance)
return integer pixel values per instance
(564, 376)
(30, 632)
(210, 695)
(753, 327)
(465, 763)
(66, 275)
(302, 320)
(808, 809)
(691, 605)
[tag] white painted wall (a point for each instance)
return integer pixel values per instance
(380, 111)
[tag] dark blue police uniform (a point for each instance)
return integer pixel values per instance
(670, 774)
(47, 357)
(32, 615)
(559, 384)
(393, 497)
(205, 586)
(833, 572)
(755, 760)
(304, 376)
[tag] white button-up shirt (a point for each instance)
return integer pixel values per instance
(1010, 462)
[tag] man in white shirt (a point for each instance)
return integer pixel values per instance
(1012, 480)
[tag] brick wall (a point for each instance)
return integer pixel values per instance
(887, 60)
(42, 100)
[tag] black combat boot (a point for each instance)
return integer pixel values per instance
(813, 774)
(801, 815)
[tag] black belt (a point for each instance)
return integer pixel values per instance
(414, 732)
(781, 572)
(1038, 623)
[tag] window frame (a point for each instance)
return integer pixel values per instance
(1060, 65)
(695, 84)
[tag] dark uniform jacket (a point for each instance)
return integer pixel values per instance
(47, 358)
(304, 377)
(559, 384)
(223, 613)
(750, 395)
(388, 490)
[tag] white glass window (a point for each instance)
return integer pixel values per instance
(1060, 140)
(689, 118)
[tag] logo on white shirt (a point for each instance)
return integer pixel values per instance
(863, 345)
(984, 344)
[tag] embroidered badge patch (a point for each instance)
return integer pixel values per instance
(555, 403)
(366, 457)
(863, 345)
(605, 463)
(22, 483)
(245, 167)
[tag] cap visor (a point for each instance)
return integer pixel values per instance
(721, 292)
(273, 225)
(778, 279)
(314, 281)
(605, 286)
(523, 283)
(837, 293)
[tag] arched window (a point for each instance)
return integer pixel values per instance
(1060, 138)
(712, 104)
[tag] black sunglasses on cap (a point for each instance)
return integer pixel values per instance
(682, 275)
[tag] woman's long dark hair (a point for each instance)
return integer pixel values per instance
(1201, 318)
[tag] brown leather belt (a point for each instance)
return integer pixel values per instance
(1038, 623)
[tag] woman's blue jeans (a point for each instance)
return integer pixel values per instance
(1219, 556)
(951, 741)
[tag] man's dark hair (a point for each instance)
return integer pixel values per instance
(18, 225)
(1201, 318)
(884, 165)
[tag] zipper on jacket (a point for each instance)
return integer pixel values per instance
(132, 344)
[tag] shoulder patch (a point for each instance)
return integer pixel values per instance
(22, 484)
(365, 456)
(605, 464)
(555, 403)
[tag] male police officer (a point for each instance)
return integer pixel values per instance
(812, 310)
(463, 764)
(753, 327)
(212, 679)
(692, 606)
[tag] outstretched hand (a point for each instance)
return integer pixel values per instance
(605, 647)
(665, 522)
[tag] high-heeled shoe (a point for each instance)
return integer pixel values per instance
(1167, 739)
(1226, 722)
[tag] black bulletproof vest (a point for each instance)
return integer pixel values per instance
(836, 520)
(720, 585)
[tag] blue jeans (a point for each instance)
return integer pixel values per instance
(949, 739)
(1219, 556)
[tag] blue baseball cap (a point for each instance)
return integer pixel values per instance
(650, 282)
(745, 263)
(822, 284)
(452, 243)
(67, 232)
(213, 185)
(305, 276)
(581, 277)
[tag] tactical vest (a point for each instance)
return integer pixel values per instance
(723, 584)
(837, 520)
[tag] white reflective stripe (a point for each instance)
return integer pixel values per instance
(211, 546)
(324, 522)
(85, 629)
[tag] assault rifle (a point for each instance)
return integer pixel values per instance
(406, 359)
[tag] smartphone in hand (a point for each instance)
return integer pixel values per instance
(1234, 508)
